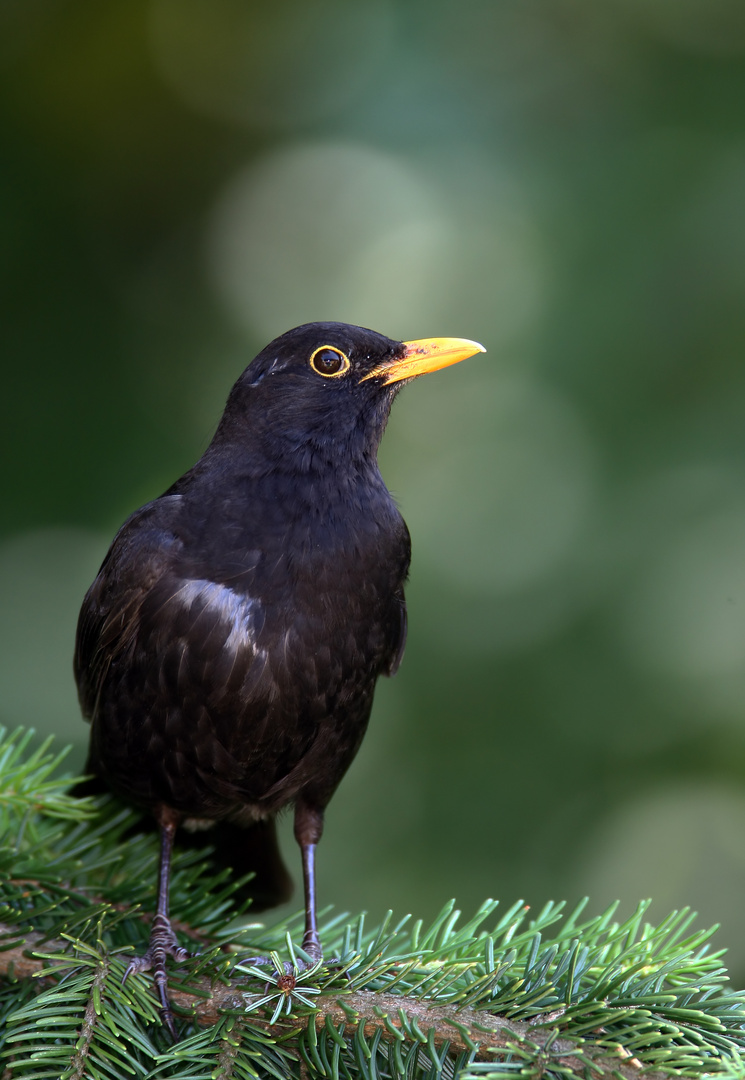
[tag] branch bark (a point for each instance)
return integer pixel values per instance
(463, 1029)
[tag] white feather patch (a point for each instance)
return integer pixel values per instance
(236, 610)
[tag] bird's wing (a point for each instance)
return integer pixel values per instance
(137, 560)
(168, 660)
(187, 640)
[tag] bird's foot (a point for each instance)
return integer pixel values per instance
(312, 946)
(163, 943)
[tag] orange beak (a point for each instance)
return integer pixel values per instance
(427, 354)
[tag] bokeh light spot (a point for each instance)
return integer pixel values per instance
(344, 231)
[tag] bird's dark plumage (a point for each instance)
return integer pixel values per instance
(228, 650)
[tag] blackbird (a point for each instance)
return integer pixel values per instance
(228, 650)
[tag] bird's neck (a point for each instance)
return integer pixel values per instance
(300, 459)
(308, 517)
(304, 485)
(263, 436)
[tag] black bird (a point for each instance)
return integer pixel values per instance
(228, 650)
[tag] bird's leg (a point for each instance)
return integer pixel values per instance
(163, 941)
(308, 830)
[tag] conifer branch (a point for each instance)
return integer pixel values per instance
(550, 995)
(80, 1057)
(466, 1031)
(469, 1031)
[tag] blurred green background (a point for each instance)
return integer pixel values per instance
(182, 180)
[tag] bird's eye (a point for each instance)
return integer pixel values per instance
(329, 361)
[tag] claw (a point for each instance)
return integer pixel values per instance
(163, 943)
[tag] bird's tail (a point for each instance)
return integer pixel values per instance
(253, 849)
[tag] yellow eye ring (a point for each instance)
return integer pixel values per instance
(329, 362)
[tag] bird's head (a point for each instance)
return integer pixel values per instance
(327, 388)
